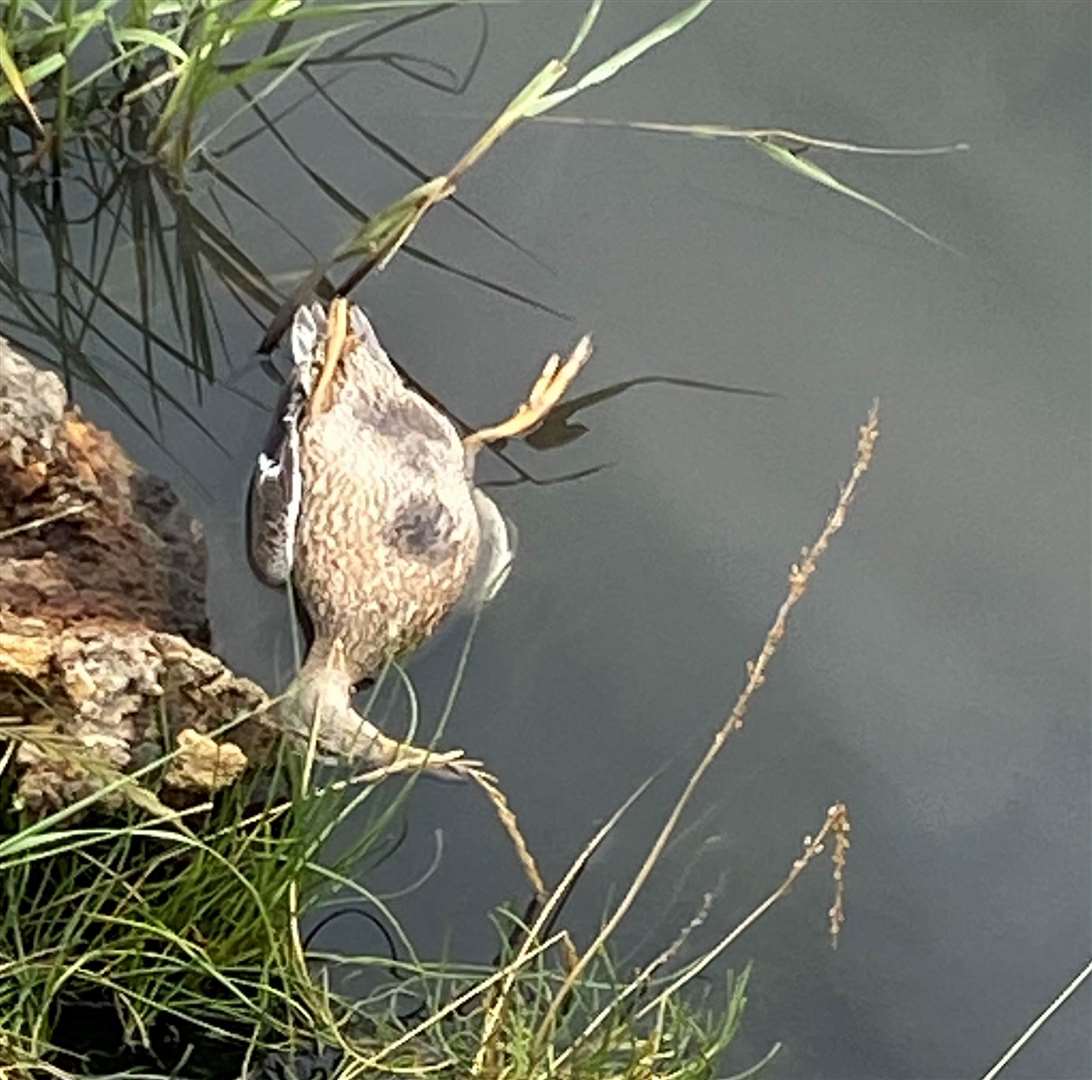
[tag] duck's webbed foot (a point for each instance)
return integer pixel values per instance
(383, 756)
(547, 391)
(319, 709)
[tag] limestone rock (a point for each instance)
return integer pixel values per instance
(102, 612)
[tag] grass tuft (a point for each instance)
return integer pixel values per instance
(181, 931)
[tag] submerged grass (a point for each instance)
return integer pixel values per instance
(137, 940)
(129, 103)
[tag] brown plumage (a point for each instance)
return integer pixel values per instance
(365, 496)
(388, 530)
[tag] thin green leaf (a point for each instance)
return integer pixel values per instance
(143, 36)
(297, 10)
(392, 152)
(97, 73)
(810, 171)
(265, 91)
(11, 72)
(224, 80)
(57, 35)
(720, 131)
(34, 74)
(758, 1066)
(584, 29)
(79, 26)
(613, 64)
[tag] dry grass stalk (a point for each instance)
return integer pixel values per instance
(837, 912)
(393, 227)
(1039, 1021)
(388, 231)
(37, 523)
(799, 576)
(641, 979)
(723, 131)
(837, 820)
(364, 1065)
(505, 814)
(488, 783)
(509, 823)
(507, 817)
(672, 950)
(495, 1013)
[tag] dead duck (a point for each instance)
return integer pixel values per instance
(364, 499)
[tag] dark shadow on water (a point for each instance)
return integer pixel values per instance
(558, 431)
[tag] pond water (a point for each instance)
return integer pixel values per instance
(936, 677)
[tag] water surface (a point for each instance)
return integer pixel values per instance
(936, 678)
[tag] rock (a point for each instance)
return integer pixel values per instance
(103, 632)
(203, 764)
(85, 533)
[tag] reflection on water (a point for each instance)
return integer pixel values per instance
(937, 678)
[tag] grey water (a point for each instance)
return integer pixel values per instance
(935, 678)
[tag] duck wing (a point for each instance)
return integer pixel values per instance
(273, 502)
(496, 553)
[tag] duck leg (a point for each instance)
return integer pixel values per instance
(547, 391)
(383, 756)
(348, 736)
(317, 708)
(336, 334)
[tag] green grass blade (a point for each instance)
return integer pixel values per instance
(298, 10)
(34, 74)
(613, 64)
(10, 70)
(806, 168)
(143, 36)
(279, 58)
(722, 131)
(287, 72)
(420, 174)
(583, 30)
(767, 140)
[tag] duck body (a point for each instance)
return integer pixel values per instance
(388, 530)
(364, 499)
(367, 502)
